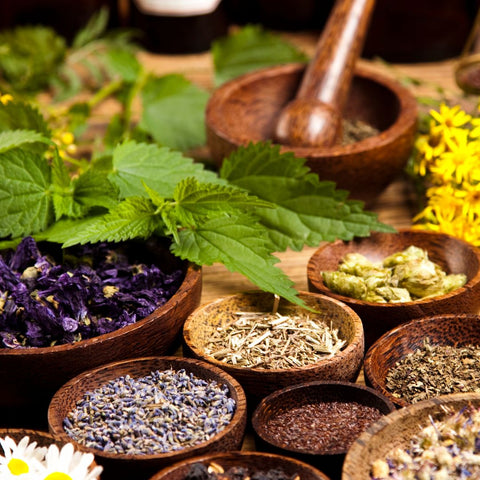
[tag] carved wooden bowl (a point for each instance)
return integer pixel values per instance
(453, 329)
(120, 465)
(252, 461)
(258, 382)
(396, 431)
(453, 256)
(328, 457)
(30, 377)
(245, 110)
(43, 439)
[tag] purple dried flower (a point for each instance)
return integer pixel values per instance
(93, 292)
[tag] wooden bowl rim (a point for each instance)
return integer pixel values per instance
(406, 119)
(234, 454)
(315, 279)
(193, 275)
(339, 357)
(373, 353)
(273, 397)
(239, 415)
(361, 444)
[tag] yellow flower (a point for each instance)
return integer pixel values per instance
(449, 119)
(5, 98)
(470, 196)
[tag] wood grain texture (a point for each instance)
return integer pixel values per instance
(396, 431)
(455, 329)
(258, 382)
(314, 117)
(453, 256)
(252, 461)
(29, 377)
(142, 466)
(245, 110)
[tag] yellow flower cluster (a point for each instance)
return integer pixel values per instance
(447, 161)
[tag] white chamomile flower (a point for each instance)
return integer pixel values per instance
(22, 461)
(66, 464)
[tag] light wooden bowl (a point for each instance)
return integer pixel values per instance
(258, 382)
(43, 439)
(142, 466)
(252, 461)
(453, 329)
(330, 459)
(453, 256)
(245, 110)
(29, 377)
(395, 431)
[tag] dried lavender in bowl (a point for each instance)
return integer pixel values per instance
(94, 289)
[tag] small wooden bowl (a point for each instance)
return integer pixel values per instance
(245, 110)
(453, 329)
(453, 256)
(259, 382)
(29, 377)
(330, 459)
(43, 439)
(396, 431)
(143, 466)
(253, 461)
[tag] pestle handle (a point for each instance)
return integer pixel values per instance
(314, 117)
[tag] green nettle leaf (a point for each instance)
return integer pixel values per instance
(196, 201)
(62, 189)
(25, 201)
(135, 217)
(95, 27)
(123, 63)
(93, 189)
(22, 116)
(240, 244)
(173, 111)
(30, 56)
(249, 49)
(309, 211)
(160, 167)
(14, 138)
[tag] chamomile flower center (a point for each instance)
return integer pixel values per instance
(17, 466)
(58, 476)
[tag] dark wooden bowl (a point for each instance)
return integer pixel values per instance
(43, 439)
(330, 459)
(143, 466)
(396, 431)
(245, 110)
(29, 377)
(453, 256)
(259, 382)
(253, 461)
(452, 329)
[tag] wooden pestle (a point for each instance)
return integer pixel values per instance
(314, 117)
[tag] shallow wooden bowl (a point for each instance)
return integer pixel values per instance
(451, 329)
(329, 460)
(245, 110)
(143, 466)
(259, 382)
(252, 461)
(29, 377)
(453, 256)
(396, 431)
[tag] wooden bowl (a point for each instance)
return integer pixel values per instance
(453, 256)
(136, 465)
(43, 439)
(29, 377)
(258, 382)
(329, 457)
(396, 431)
(253, 461)
(245, 110)
(450, 329)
